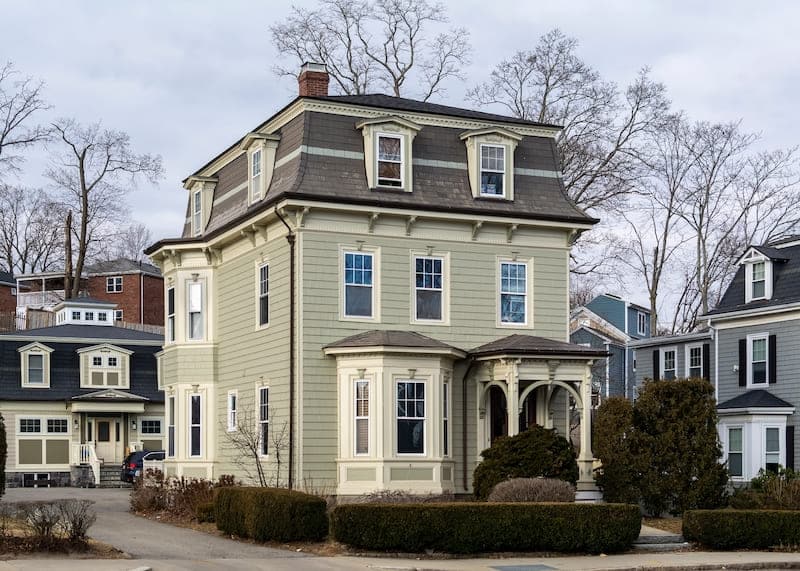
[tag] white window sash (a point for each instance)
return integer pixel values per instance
(379, 160)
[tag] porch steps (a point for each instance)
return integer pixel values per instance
(660, 543)
(109, 477)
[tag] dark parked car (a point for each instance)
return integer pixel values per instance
(133, 464)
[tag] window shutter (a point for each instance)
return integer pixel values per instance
(790, 447)
(773, 358)
(707, 361)
(742, 362)
(656, 366)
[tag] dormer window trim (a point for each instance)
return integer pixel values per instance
(758, 276)
(489, 167)
(102, 360)
(479, 140)
(197, 212)
(38, 350)
(388, 127)
(201, 194)
(260, 149)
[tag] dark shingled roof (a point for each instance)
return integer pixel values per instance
(121, 265)
(785, 282)
(533, 345)
(88, 301)
(415, 106)
(5, 277)
(758, 398)
(377, 338)
(99, 332)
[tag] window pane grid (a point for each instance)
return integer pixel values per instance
(263, 420)
(758, 354)
(410, 417)
(30, 425)
(362, 417)
(513, 291)
(358, 279)
(492, 170)
(428, 282)
(390, 161)
(57, 425)
(263, 295)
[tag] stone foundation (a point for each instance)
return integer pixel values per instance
(82, 477)
(56, 479)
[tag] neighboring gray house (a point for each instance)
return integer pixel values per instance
(751, 353)
(610, 323)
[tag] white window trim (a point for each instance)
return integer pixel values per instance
(641, 323)
(190, 426)
(378, 135)
(688, 360)
(445, 257)
(203, 312)
(233, 411)
(726, 449)
(662, 361)
(258, 295)
(169, 327)
(160, 421)
(35, 349)
(104, 352)
(356, 417)
(197, 215)
(425, 419)
(376, 284)
(111, 284)
(750, 338)
(754, 258)
(260, 422)
(255, 194)
(529, 317)
(781, 444)
(505, 194)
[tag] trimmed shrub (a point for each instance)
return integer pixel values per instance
(533, 490)
(266, 514)
(534, 452)
(204, 513)
(742, 529)
(3, 455)
(477, 527)
(613, 429)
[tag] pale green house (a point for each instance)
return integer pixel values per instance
(377, 287)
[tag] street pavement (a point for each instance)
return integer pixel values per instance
(157, 546)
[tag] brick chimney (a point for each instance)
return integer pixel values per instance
(313, 80)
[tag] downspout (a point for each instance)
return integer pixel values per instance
(464, 421)
(290, 238)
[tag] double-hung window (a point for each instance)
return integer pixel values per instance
(694, 361)
(735, 452)
(195, 310)
(114, 284)
(390, 160)
(669, 363)
(358, 284)
(429, 288)
(493, 170)
(263, 420)
(758, 360)
(772, 448)
(446, 419)
(758, 284)
(171, 314)
(195, 426)
(197, 213)
(263, 295)
(255, 175)
(35, 369)
(233, 397)
(641, 323)
(513, 292)
(410, 417)
(118, 315)
(171, 427)
(362, 416)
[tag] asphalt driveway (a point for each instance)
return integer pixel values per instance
(142, 538)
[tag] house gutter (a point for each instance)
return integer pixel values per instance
(290, 238)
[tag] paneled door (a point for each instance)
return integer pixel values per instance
(107, 440)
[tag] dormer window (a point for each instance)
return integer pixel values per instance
(197, 213)
(493, 170)
(390, 160)
(35, 365)
(105, 366)
(387, 152)
(255, 175)
(260, 149)
(758, 276)
(490, 160)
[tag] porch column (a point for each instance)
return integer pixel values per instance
(587, 489)
(512, 402)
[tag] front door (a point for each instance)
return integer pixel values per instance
(107, 440)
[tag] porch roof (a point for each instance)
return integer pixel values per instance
(109, 400)
(758, 398)
(522, 345)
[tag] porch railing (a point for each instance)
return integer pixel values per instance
(84, 454)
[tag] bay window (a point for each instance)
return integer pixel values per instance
(195, 426)
(362, 417)
(410, 417)
(772, 449)
(195, 310)
(735, 452)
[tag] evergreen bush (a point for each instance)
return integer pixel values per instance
(532, 453)
(478, 527)
(742, 529)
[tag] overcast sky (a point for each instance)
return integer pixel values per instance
(187, 78)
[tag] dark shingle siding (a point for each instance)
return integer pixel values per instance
(65, 373)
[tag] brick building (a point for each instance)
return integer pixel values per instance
(8, 293)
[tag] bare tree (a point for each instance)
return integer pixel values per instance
(92, 169)
(20, 100)
(605, 129)
(375, 44)
(131, 241)
(247, 441)
(30, 231)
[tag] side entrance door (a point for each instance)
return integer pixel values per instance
(107, 440)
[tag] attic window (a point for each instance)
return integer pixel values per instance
(390, 160)
(758, 276)
(493, 170)
(758, 284)
(255, 175)
(197, 213)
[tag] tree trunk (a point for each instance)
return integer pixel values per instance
(68, 256)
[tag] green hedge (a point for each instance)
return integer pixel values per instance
(204, 513)
(266, 514)
(742, 529)
(478, 527)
